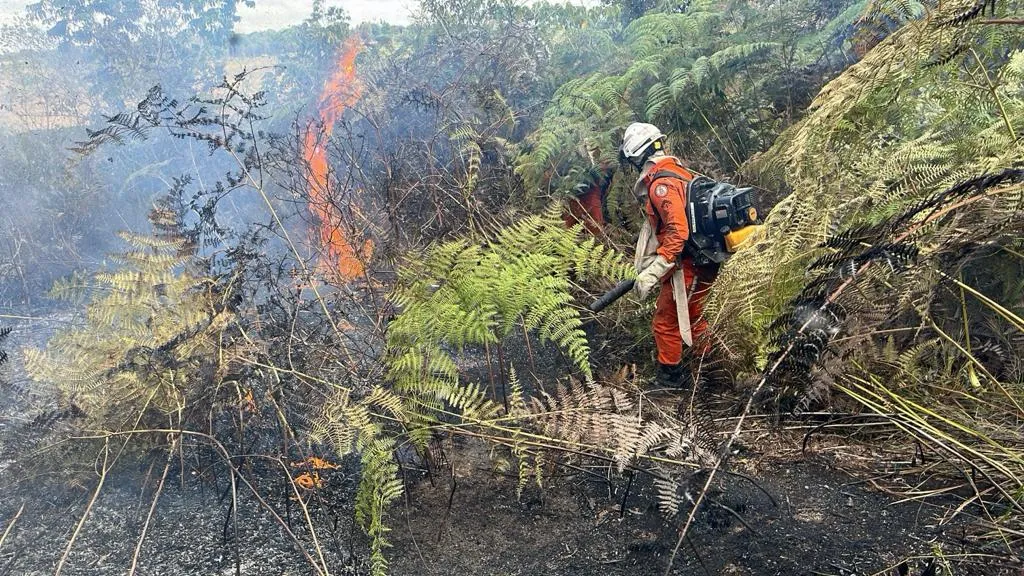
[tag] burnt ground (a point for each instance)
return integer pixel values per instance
(792, 512)
(795, 515)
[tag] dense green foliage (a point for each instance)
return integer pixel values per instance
(721, 79)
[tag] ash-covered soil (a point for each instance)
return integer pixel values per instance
(794, 513)
(191, 530)
(789, 518)
(799, 517)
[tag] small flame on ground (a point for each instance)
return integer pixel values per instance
(309, 481)
(316, 463)
(342, 90)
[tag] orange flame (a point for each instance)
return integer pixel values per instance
(309, 481)
(316, 463)
(342, 89)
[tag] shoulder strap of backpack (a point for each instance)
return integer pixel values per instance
(668, 174)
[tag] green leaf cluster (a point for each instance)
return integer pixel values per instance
(463, 294)
(718, 78)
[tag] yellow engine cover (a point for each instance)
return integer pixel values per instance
(739, 238)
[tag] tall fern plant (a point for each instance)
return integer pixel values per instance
(457, 295)
(463, 294)
(151, 338)
(720, 79)
(890, 276)
(937, 103)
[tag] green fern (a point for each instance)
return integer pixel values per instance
(695, 73)
(456, 295)
(520, 279)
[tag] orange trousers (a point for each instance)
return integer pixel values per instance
(666, 322)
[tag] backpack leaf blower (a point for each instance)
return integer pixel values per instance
(722, 220)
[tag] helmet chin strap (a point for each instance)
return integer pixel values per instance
(639, 165)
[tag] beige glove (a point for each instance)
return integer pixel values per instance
(651, 275)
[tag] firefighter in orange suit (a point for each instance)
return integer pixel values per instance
(661, 258)
(587, 205)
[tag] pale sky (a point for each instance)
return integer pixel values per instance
(283, 13)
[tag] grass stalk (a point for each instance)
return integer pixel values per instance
(88, 509)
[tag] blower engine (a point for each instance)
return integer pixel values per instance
(722, 219)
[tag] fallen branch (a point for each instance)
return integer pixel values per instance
(1010, 21)
(11, 525)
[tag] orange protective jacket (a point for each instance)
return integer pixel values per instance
(666, 206)
(678, 315)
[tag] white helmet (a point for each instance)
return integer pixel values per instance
(637, 139)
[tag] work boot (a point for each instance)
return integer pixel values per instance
(675, 376)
